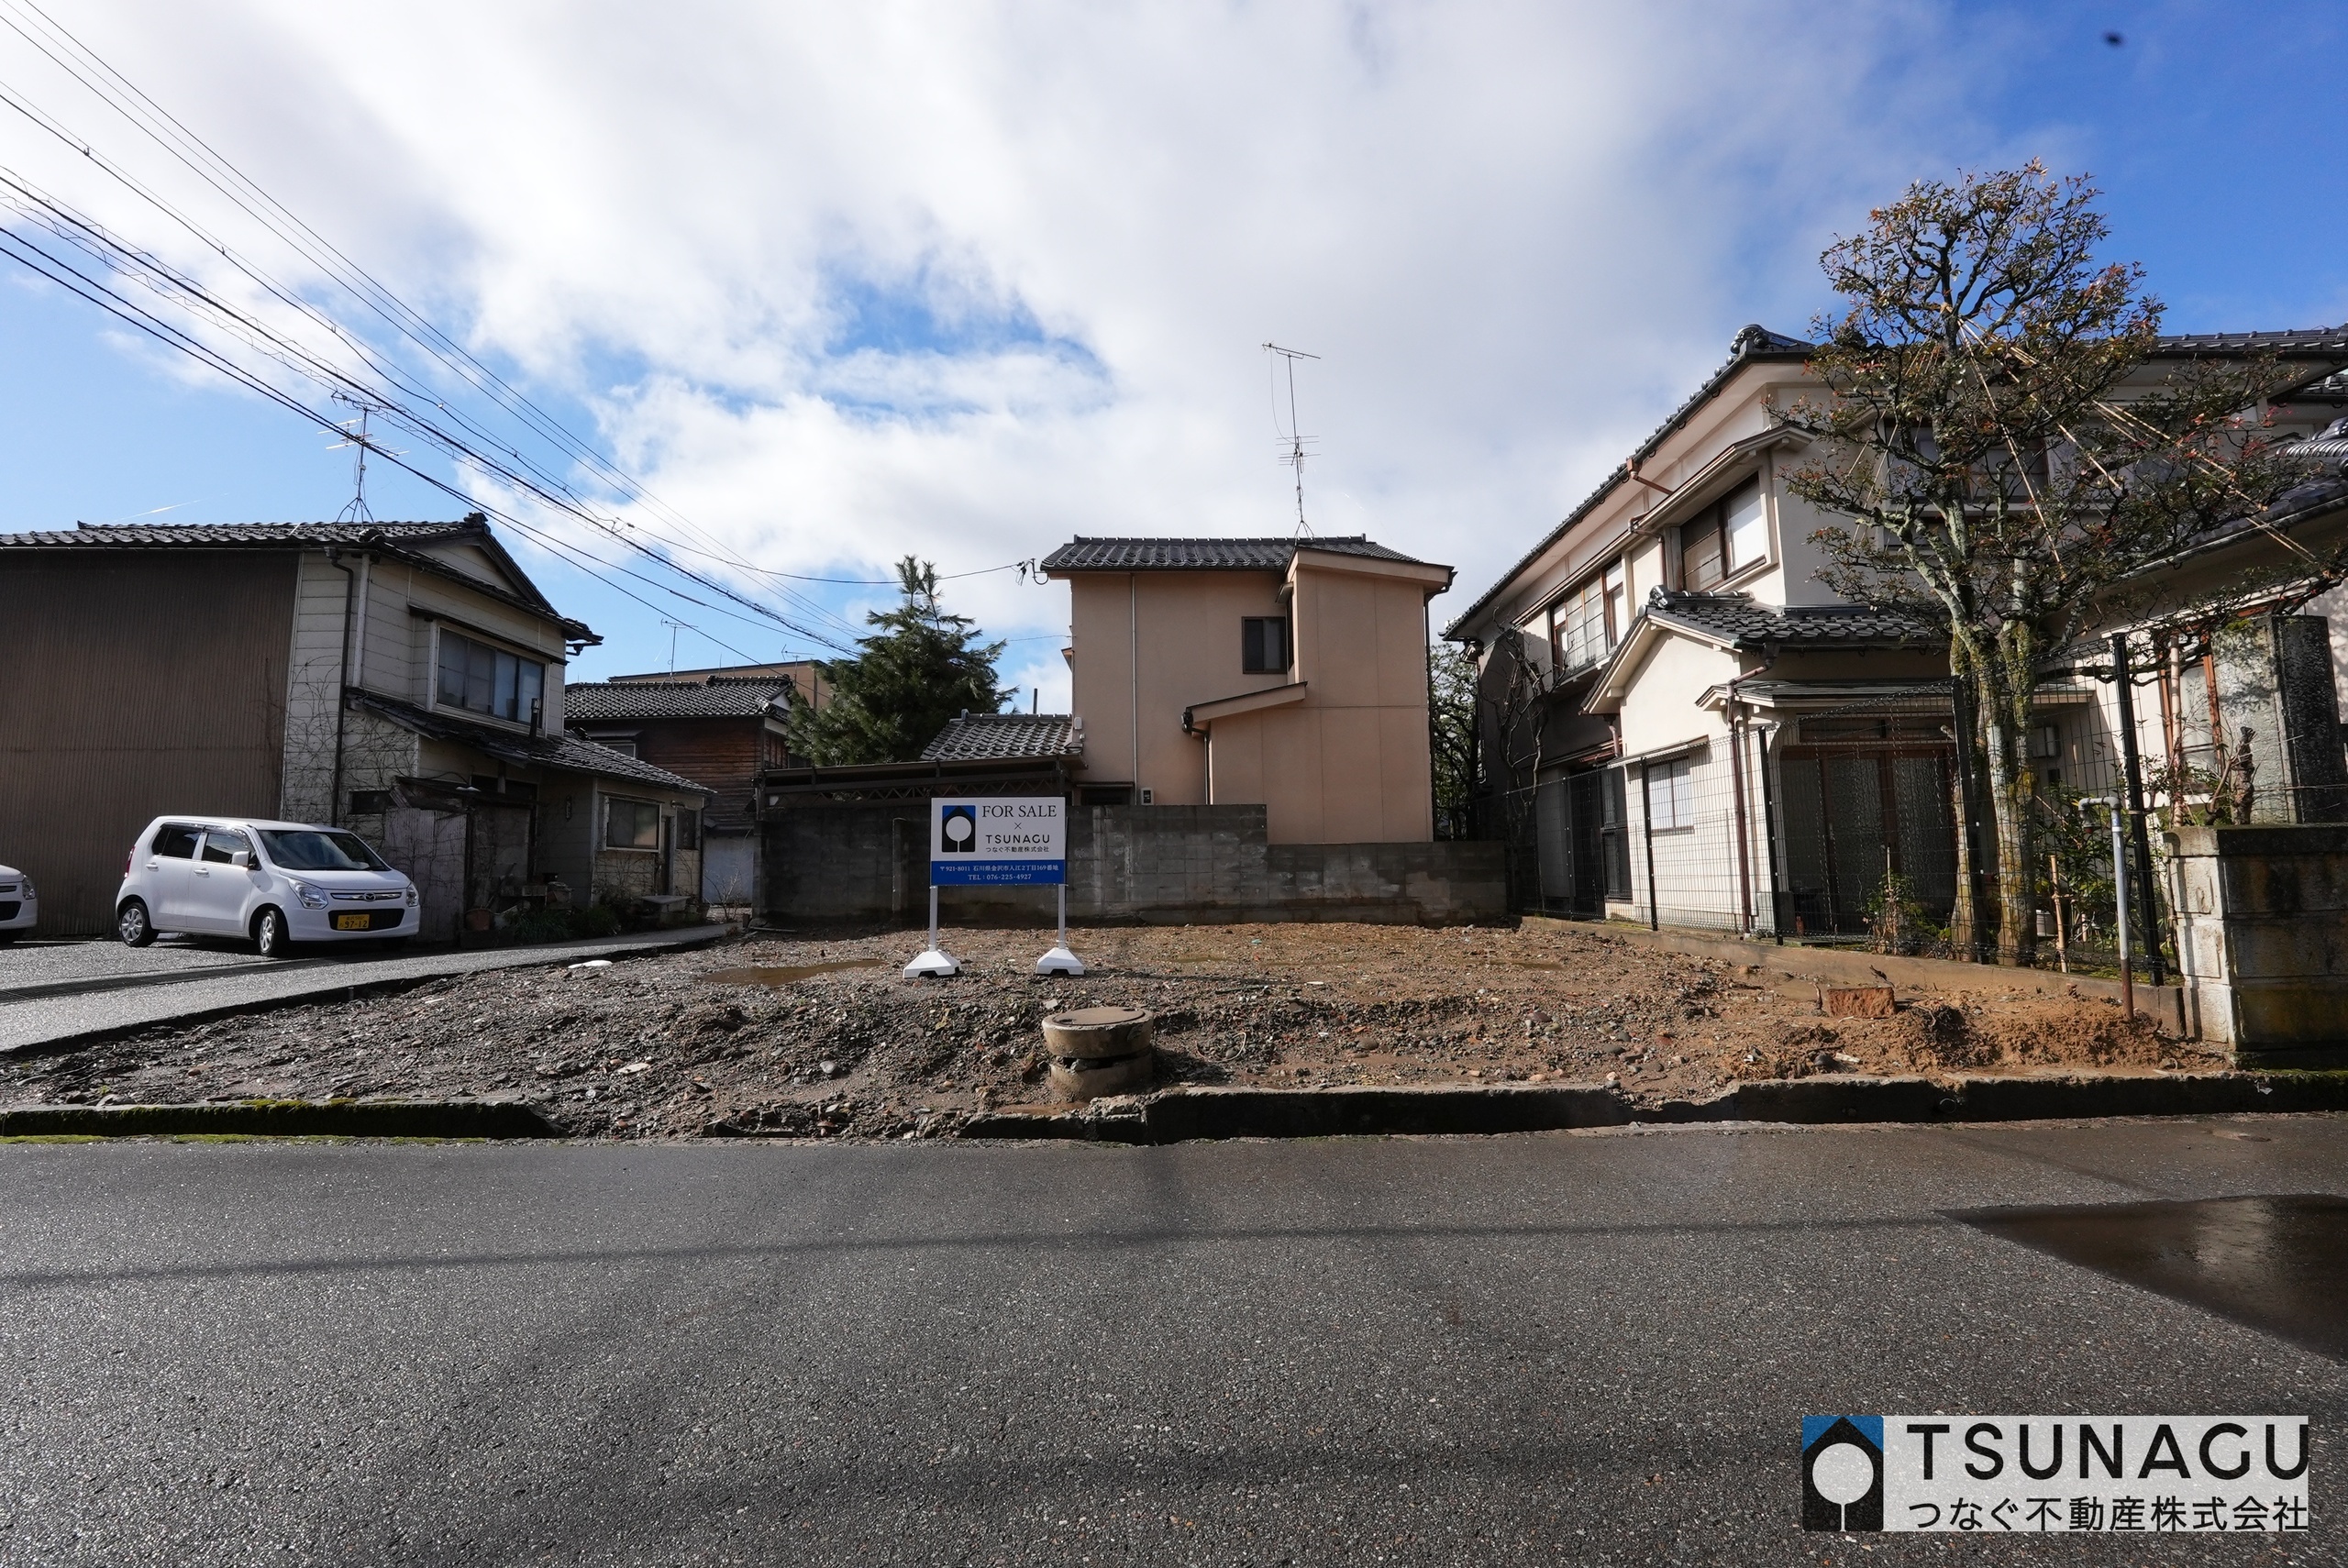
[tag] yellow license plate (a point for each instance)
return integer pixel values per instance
(350, 922)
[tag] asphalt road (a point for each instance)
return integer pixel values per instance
(62, 992)
(1548, 1348)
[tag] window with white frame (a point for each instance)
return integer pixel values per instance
(1745, 523)
(1725, 539)
(1584, 627)
(1671, 795)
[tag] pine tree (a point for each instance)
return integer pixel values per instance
(922, 667)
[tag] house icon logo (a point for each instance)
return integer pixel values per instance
(957, 830)
(1842, 1473)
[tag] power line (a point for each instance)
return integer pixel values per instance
(518, 473)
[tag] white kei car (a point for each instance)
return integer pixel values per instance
(20, 904)
(273, 884)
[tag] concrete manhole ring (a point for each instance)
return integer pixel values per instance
(1100, 1049)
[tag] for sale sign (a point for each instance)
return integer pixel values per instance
(1009, 840)
(2048, 1475)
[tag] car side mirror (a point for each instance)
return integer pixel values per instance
(241, 858)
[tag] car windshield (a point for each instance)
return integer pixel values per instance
(312, 849)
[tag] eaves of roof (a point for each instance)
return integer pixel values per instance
(596, 702)
(1083, 554)
(563, 753)
(1754, 346)
(1757, 344)
(395, 540)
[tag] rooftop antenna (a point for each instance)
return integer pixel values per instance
(357, 510)
(674, 627)
(1297, 440)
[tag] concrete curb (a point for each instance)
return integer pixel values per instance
(285, 1119)
(350, 984)
(1176, 1115)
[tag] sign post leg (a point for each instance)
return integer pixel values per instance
(1060, 960)
(934, 962)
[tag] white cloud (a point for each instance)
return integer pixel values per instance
(847, 282)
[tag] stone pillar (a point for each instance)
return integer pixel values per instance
(2262, 939)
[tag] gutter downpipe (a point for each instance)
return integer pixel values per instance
(342, 681)
(1133, 669)
(1736, 786)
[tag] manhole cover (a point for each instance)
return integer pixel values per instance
(2279, 1264)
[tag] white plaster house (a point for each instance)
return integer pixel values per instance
(1682, 725)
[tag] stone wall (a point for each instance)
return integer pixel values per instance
(1127, 865)
(2261, 916)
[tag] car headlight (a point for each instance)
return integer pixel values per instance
(311, 897)
(25, 885)
(411, 895)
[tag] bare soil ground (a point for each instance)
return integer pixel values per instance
(820, 1036)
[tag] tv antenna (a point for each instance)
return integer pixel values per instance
(674, 627)
(357, 510)
(1296, 440)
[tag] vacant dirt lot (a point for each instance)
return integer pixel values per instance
(813, 1036)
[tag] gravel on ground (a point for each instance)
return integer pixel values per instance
(819, 1034)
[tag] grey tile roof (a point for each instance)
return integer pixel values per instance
(987, 736)
(2301, 342)
(1754, 343)
(593, 701)
(565, 753)
(1758, 343)
(1207, 554)
(398, 540)
(180, 536)
(1736, 619)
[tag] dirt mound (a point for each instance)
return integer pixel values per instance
(823, 1036)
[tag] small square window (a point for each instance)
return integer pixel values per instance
(631, 825)
(1263, 644)
(369, 802)
(1671, 796)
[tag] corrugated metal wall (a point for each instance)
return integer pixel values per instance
(135, 683)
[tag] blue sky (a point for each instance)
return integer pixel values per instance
(842, 289)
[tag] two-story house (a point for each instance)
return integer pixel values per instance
(1681, 723)
(1289, 673)
(404, 679)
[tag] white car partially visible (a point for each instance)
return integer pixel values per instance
(20, 904)
(274, 884)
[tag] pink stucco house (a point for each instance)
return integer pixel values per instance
(1286, 673)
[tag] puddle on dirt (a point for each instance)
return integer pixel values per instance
(2279, 1264)
(782, 975)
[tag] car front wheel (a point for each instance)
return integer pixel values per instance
(269, 936)
(130, 923)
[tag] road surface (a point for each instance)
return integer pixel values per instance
(1584, 1347)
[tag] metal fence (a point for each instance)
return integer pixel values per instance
(1855, 825)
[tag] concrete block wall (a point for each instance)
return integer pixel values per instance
(1148, 865)
(2263, 940)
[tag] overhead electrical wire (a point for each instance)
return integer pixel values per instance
(502, 463)
(93, 73)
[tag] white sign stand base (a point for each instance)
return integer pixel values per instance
(934, 962)
(1060, 960)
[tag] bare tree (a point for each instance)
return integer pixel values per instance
(1990, 427)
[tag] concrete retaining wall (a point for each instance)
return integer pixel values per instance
(2263, 940)
(1140, 864)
